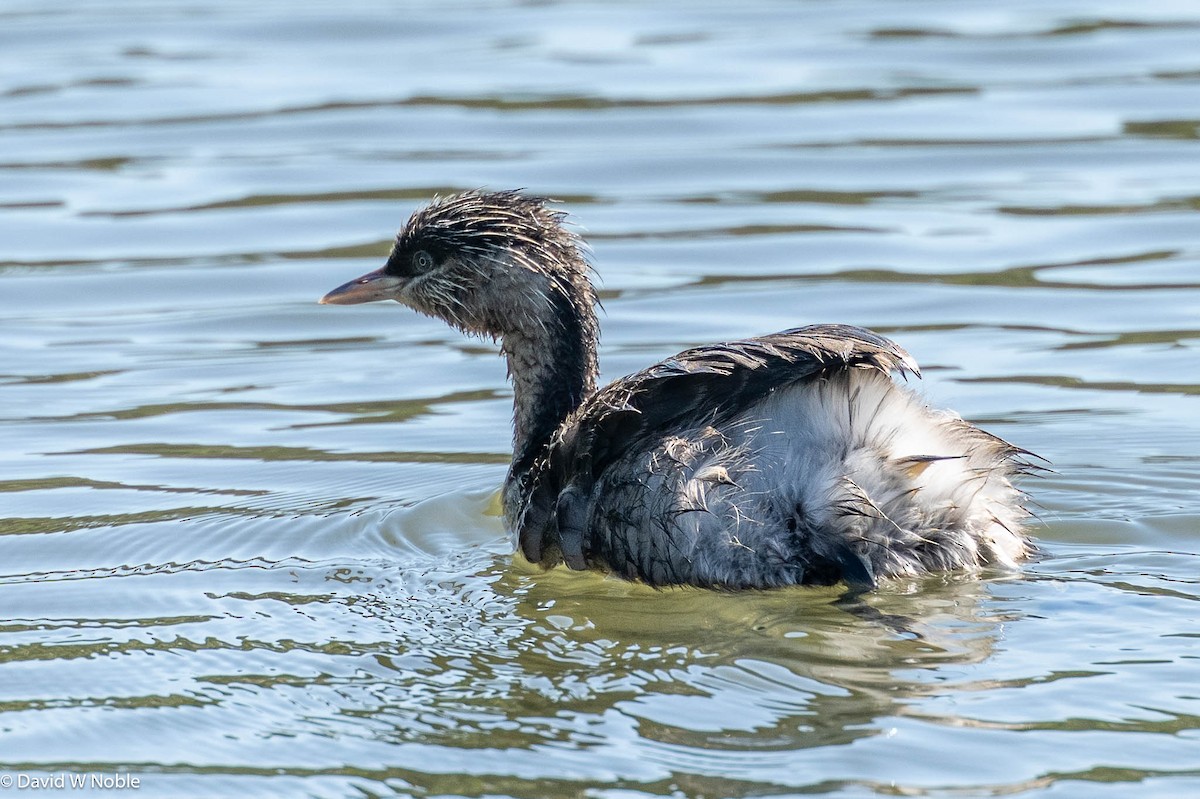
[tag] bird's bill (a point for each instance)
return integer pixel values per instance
(371, 287)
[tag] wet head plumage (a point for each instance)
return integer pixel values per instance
(502, 265)
(495, 263)
(791, 458)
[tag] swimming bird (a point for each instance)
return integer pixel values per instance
(791, 458)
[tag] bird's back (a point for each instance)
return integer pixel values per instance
(789, 459)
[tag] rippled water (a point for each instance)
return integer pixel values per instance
(248, 545)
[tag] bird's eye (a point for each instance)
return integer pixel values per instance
(422, 261)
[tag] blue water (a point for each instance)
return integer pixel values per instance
(249, 545)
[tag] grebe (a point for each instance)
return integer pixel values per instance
(793, 458)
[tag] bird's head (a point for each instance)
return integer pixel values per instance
(489, 263)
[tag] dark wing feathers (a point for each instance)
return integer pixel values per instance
(712, 381)
(706, 384)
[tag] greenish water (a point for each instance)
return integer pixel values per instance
(248, 545)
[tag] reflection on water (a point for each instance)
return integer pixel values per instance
(249, 546)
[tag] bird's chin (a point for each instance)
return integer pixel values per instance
(371, 287)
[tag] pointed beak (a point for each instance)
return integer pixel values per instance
(370, 287)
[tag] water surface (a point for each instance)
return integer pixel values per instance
(248, 545)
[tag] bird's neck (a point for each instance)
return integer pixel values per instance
(553, 369)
